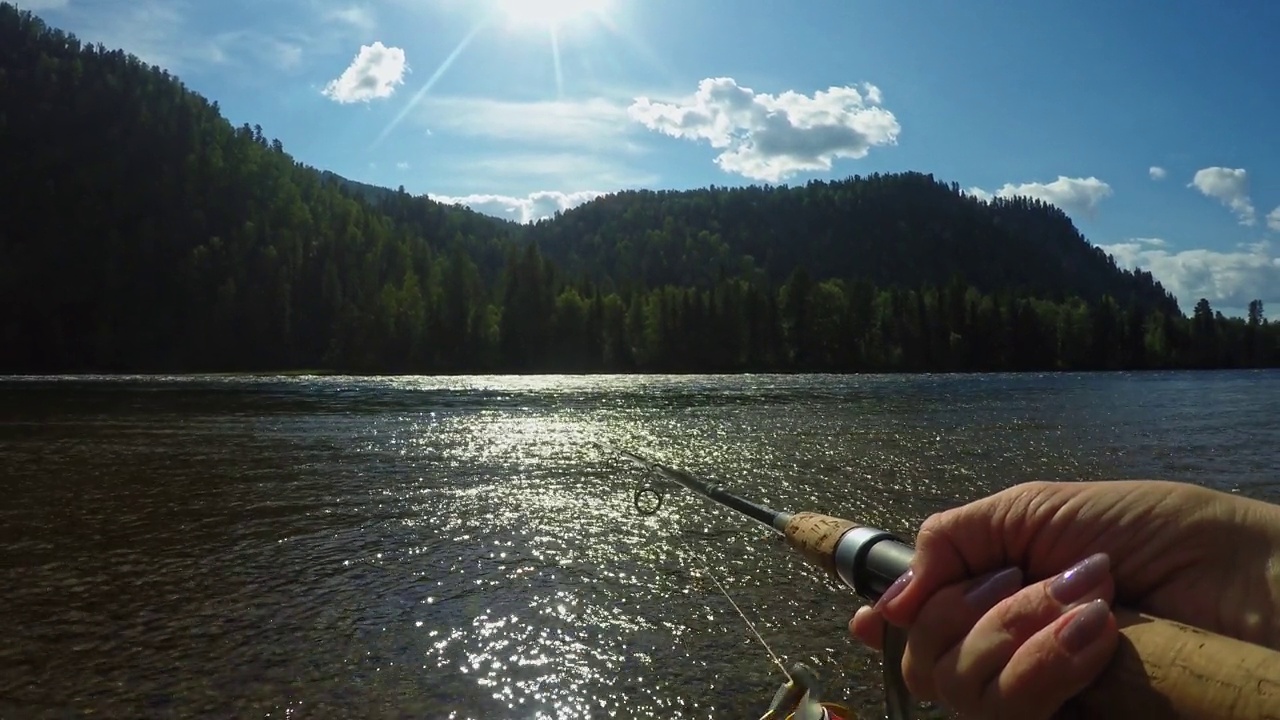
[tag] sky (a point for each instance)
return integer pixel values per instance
(1152, 125)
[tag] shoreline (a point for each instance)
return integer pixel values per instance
(95, 374)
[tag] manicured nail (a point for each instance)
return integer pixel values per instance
(1085, 627)
(1076, 582)
(895, 589)
(993, 588)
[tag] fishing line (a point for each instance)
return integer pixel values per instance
(649, 489)
(772, 655)
(865, 559)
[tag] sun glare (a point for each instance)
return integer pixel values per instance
(549, 13)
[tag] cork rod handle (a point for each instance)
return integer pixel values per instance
(1165, 669)
(1161, 669)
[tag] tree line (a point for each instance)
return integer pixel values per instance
(903, 229)
(543, 322)
(144, 232)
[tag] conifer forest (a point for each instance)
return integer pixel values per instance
(143, 232)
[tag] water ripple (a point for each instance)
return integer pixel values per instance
(217, 546)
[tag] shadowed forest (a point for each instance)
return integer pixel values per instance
(144, 232)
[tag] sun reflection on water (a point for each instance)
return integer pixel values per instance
(552, 594)
(465, 547)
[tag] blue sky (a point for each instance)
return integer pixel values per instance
(1152, 124)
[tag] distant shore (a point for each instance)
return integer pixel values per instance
(585, 373)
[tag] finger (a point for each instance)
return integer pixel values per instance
(973, 539)
(965, 673)
(1055, 664)
(867, 625)
(945, 620)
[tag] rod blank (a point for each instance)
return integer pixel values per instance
(1162, 669)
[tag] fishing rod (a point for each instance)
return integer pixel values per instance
(866, 559)
(1161, 668)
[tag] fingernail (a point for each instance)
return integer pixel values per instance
(994, 587)
(1076, 581)
(895, 589)
(1085, 627)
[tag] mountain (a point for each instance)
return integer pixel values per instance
(901, 230)
(142, 231)
(370, 193)
(149, 233)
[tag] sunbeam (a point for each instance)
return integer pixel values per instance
(550, 13)
(646, 53)
(435, 77)
(553, 15)
(555, 59)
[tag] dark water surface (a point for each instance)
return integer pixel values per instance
(458, 547)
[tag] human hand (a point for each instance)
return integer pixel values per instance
(990, 632)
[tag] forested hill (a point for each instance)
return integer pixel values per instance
(142, 231)
(905, 229)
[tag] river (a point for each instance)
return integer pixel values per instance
(333, 547)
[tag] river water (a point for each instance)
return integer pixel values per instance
(334, 547)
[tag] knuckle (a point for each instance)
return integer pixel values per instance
(1031, 486)
(933, 526)
(1018, 617)
(1008, 614)
(957, 691)
(935, 521)
(918, 677)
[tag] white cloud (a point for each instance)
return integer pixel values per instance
(402, 165)
(168, 33)
(38, 5)
(257, 48)
(286, 54)
(1273, 220)
(513, 174)
(1229, 186)
(359, 17)
(156, 31)
(1070, 194)
(773, 137)
(534, 206)
(374, 74)
(1156, 172)
(563, 168)
(1226, 279)
(576, 123)
(1146, 242)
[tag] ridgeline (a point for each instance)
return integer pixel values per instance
(143, 232)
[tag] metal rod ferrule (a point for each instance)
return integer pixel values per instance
(868, 560)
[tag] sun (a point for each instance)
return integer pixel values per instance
(550, 14)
